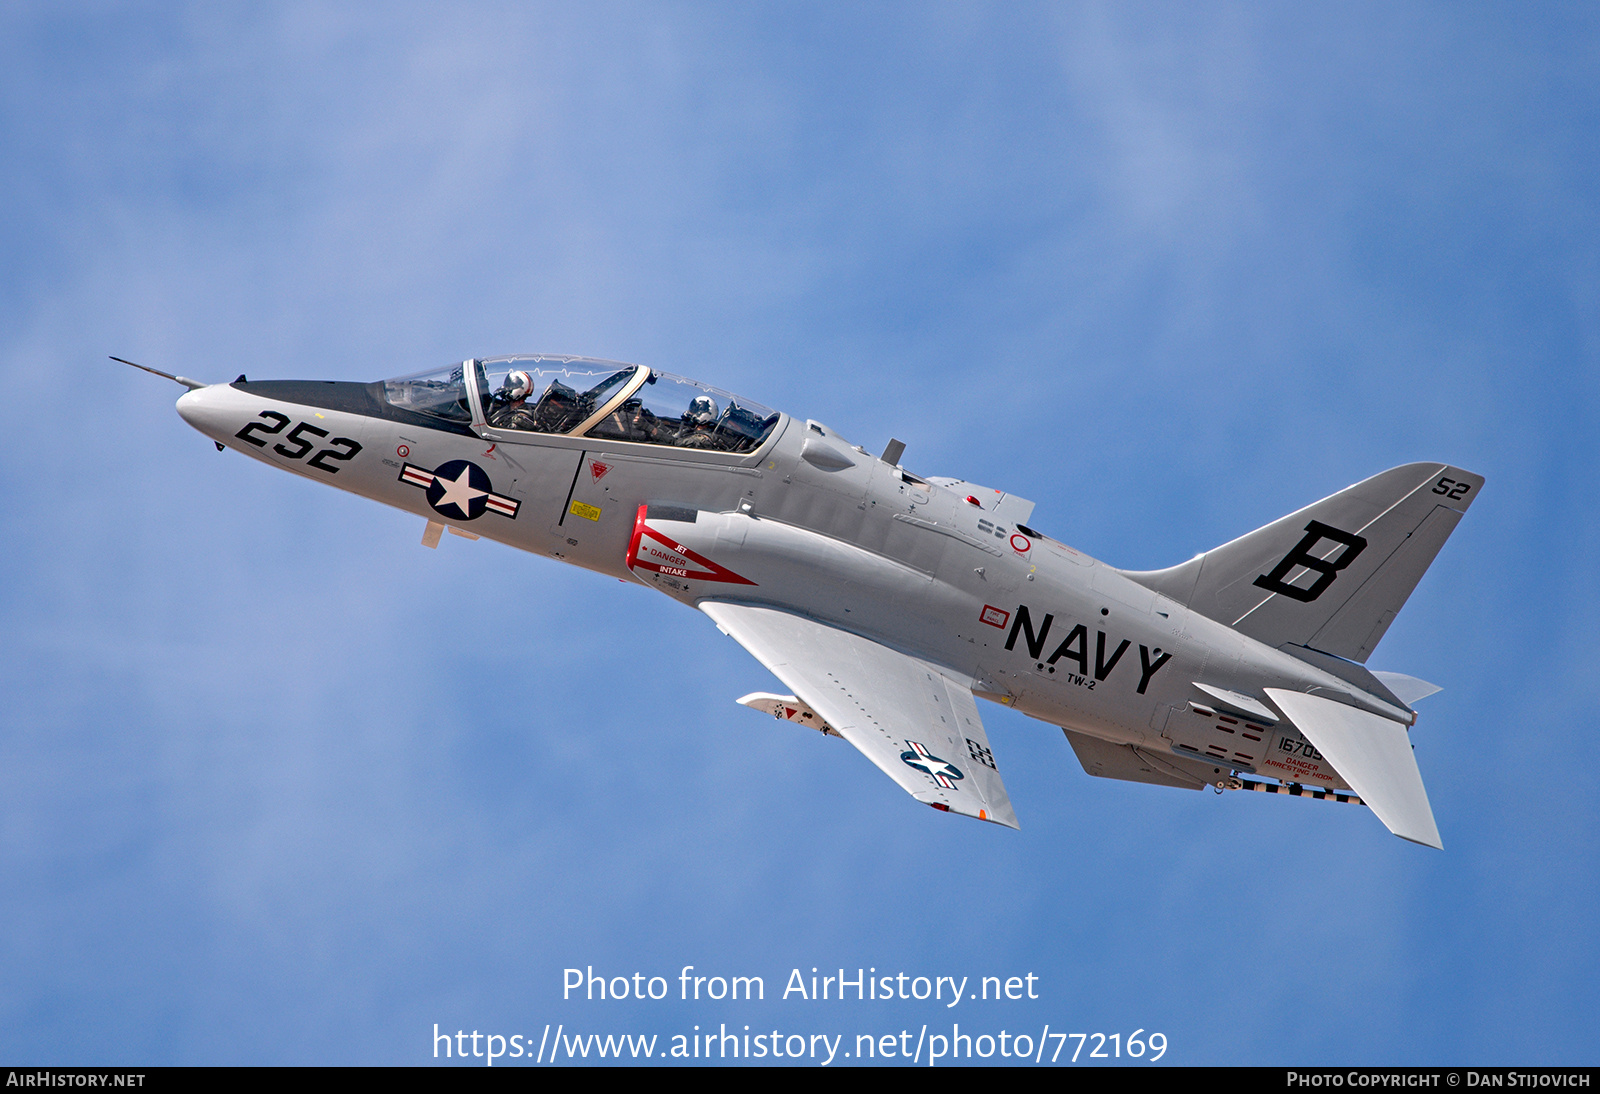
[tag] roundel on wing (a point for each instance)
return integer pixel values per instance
(460, 490)
(942, 771)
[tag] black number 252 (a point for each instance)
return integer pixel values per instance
(341, 448)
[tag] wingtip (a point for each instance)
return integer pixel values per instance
(1005, 819)
(1432, 840)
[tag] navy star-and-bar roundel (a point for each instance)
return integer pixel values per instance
(460, 490)
(943, 772)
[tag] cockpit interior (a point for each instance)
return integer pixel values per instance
(585, 397)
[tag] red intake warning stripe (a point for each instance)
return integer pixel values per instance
(665, 555)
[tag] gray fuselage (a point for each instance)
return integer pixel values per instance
(817, 527)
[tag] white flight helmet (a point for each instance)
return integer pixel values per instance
(517, 385)
(702, 410)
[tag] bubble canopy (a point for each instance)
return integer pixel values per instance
(586, 397)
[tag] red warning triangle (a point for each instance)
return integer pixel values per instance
(598, 469)
(656, 552)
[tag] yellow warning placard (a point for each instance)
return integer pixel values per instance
(587, 512)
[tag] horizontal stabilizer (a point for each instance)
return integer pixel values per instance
(1371, 753)
(1408, 688)
(1255, 708)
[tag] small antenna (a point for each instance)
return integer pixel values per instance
(192, 385)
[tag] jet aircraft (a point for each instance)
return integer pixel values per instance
(888, 602)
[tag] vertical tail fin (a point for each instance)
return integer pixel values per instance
(1333, 575)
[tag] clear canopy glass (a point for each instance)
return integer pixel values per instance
(440, 392)
(548, 394)
(671, 410)
(582, 396)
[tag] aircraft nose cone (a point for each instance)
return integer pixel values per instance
(207, 409)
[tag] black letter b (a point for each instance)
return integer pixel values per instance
(1329, 568)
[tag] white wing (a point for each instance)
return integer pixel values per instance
(918, 723)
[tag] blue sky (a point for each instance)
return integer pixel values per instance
(279, 785)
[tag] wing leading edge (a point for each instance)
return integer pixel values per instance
(917, 723)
